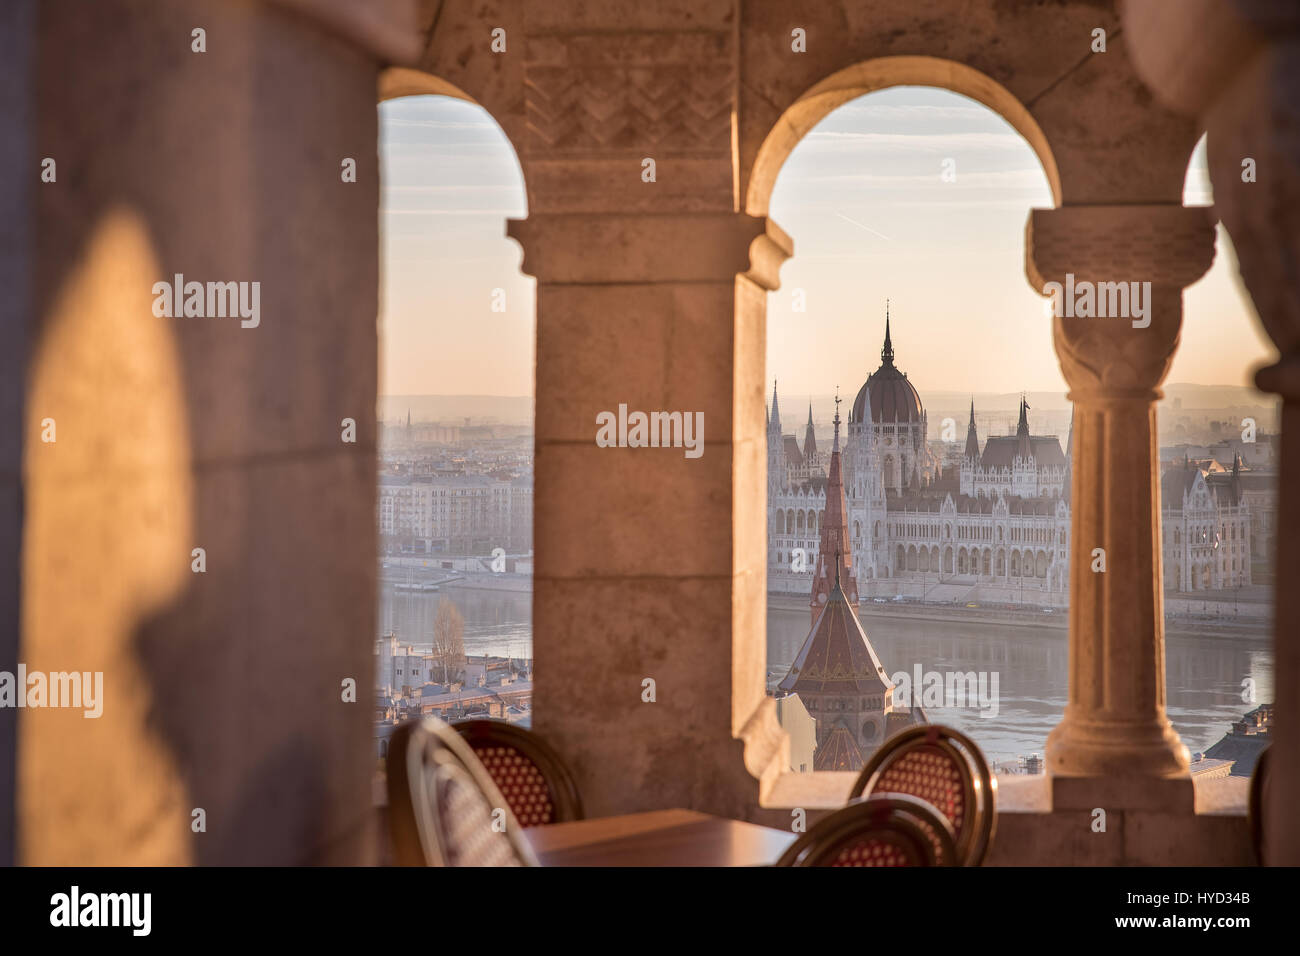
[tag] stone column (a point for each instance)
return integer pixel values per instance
(1115, 724)
(1236, 65)
(650, 564)
(145, 437)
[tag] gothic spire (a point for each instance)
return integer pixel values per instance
(972, 437)
(1024, 448)
(887, 352)
(809, 439)
(775, 420)
(835, 448)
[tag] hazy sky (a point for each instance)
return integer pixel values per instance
(871, 217)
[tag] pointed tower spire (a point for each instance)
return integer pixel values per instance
(887, 351)
(834, 546)
(776, 411)
(1024, 448)
(972, 437)
(809, 440)
(835, 445)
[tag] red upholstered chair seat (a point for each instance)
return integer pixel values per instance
(943, 767)
(929, 773)
(876, 851)
(521, 783)
(884, 830)
(530, 775)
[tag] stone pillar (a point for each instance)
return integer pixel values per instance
(1236, 65)
(145, 437)
(651, 565)
(1115, 724)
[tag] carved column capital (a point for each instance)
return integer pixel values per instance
(1125, 357)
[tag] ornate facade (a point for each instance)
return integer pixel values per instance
(1002, 522)
(1205, 527)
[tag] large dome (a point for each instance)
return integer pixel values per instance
(893, 398)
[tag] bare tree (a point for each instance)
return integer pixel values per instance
(449, 639)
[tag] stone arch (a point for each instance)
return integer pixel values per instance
(881, 73)
(398, 81)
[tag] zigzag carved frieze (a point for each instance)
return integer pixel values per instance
(669, 108)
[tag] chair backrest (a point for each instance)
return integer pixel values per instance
(893, 830)
(529, 774)
(943, 767)
(443, 808)
(1259, 780)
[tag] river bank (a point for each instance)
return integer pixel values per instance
(1058, 619)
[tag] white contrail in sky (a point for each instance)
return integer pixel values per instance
(861, 226)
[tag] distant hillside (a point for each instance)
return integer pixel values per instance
(454, 409)
(518, 409)
(1217, 396)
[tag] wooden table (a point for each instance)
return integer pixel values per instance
(658, 838)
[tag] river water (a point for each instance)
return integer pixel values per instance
(1204, 674)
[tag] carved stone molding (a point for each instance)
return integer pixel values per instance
(671, 92)
(662, 248)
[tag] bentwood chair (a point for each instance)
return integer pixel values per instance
(894, 830)
(1259, 794)
(531, 776)
(943, 767)
(444, 809)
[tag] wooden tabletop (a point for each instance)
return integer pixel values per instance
(658, 838)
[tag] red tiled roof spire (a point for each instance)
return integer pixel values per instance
(839, 752)
(834, 553)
